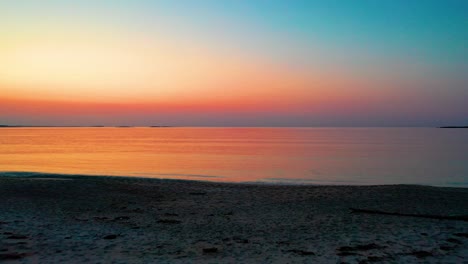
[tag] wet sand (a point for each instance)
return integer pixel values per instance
(86, 219)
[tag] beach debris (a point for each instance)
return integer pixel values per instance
(301, 252)
(171, 214)
(446, 248)
(465, 235)
(454, 240)
(420, 254)
(12, 256)
(110, 237)
(439, 217)
(98, 218)
(118, 218)
(210, 250)
(197, 193)
(347, 253)
(375, 259)
(17, 237)
(241, 240)
(169, 221)
(361, 247)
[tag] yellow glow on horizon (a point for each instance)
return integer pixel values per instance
(58, 65)
(134, 69)
(103, 69)
(84, 69)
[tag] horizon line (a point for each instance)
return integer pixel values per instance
(217, 126)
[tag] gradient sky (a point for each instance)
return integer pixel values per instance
(234, 63)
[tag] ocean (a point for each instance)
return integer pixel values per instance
(337, 156)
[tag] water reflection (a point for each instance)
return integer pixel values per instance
(301, 155)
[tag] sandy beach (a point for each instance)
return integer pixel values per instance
(86, 219)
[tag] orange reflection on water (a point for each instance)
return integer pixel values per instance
(320, 155)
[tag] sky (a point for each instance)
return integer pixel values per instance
(234, 62)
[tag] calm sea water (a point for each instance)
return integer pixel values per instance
(280, 155)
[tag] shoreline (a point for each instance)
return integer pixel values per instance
(140, 220)
(286, 182)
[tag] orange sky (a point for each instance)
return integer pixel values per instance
(73, 75)
(143, 59)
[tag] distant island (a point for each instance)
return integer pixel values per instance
(7, 126)
(453, 127)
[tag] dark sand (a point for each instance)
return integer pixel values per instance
(44, 219)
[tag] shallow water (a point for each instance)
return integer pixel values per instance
(287, 155)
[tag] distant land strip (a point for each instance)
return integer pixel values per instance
(6, 126)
